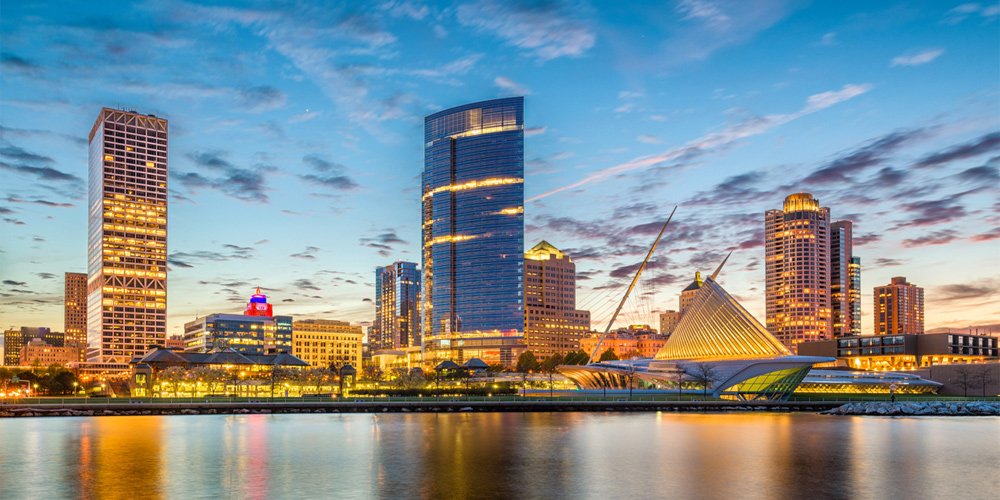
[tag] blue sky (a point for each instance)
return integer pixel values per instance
(296, 140)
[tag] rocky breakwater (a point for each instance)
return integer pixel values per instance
(914, 409)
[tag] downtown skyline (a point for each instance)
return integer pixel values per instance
(296, 152)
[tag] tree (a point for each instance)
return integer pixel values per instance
(172, 377)
(965, 378)
(526, 362)
(986, 377)
(372, 373)
(576, 358)
(549, 366)
(550, 363)
(608, 355)
(630, 375)
(704, 374)
(281, 375)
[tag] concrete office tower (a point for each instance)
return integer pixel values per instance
(473, 231)
(845, 281)
(797, 267)
(899, 308)
(552, 323)
(75, 311)
(127, 237)
(397, 307)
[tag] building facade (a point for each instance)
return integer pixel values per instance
(75, 310)
(899, 308)
(845, 270)
(906, 351)
(16, 338)
(397, 307)
(810, 287)
(322, 342)
(127, 237)
(552, 323)
(473, 230)
(256, 332)
(46, 354)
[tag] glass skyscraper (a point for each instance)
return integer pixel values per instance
(397, 307)
(473, 231)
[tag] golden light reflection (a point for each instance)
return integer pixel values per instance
(120, 458)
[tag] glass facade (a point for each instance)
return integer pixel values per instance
(254, 335)
(397, 307)
(473, 222)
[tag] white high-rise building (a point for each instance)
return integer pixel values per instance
(127, 235)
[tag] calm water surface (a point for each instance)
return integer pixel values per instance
(500, 455)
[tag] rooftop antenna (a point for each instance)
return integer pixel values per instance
(590, 360)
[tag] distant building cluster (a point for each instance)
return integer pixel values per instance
(475, 294)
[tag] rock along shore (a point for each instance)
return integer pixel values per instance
(903, 408)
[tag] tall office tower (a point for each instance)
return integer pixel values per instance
(75, 311)
(552, 323)
(473, 231)
(845, 281)
(855, 273)
(397, 306)
(899, 308)
(797, 267)
(127, 257)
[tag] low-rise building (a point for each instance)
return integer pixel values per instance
(255, 332)
(905, 351)
(16, 338)
(165, 372)
(322, 342)
(46, 354)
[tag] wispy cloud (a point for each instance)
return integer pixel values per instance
(719, 141)
(545, 30)
(917, 59)
(246, 184)
(385, 242)
(510, 86)
(329, 174)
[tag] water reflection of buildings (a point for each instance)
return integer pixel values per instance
(120, 458)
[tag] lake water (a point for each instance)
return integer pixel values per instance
(500, 455)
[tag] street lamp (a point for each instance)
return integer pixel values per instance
(74, 388)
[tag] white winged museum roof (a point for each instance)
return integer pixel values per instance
(716, 326)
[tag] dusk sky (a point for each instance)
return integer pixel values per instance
(296, 141)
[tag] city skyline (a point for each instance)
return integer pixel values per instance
(295, 162)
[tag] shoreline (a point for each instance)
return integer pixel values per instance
(452, 406)
(834, 408)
